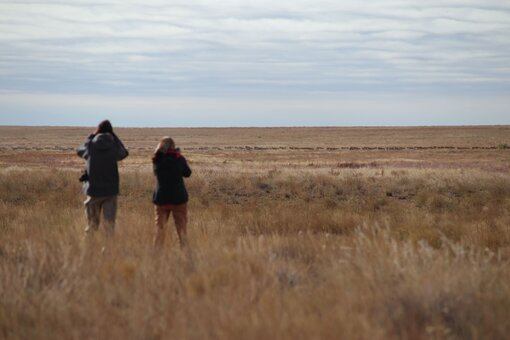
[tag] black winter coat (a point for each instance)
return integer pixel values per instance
(169, 170)
(102, 152)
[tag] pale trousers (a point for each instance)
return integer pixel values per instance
(95, 206)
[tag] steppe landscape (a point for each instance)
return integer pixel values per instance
(295, 233)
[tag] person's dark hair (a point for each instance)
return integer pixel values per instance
(104, 127)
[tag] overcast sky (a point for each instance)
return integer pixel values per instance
(255, 63)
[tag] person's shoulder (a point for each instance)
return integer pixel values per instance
(161, 157)
(182, 159)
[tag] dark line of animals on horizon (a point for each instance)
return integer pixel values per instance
(269, 148)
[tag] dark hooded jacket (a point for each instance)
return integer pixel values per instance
(102, 152)
(169, 170)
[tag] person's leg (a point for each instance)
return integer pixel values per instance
(181, 220)
(109, 214)
(93, 211)
(162, 212)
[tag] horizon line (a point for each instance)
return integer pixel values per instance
(262, 126)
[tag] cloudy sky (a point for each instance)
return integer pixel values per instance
(255, 63)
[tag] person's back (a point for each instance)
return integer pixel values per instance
(102, 154)
(170, 168)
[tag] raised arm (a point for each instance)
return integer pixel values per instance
(83, 150)
(122, 152)
(186, 171)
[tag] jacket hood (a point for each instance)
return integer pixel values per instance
(103, 141)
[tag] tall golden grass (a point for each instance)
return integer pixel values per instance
(299, 254)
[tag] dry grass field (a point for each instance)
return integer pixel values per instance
(302, 233)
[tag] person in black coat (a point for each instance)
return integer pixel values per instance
(170, 196)
(102, 150)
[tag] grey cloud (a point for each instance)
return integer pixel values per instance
(255, 46)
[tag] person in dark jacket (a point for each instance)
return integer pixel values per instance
(102, 150)
(170, 196)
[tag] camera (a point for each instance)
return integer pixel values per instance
(84, 176)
